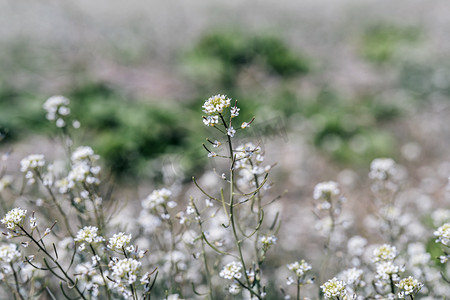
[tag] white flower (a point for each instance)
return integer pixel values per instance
(333, 288)
(384, 253)
(14, 217)
(381, 168)
(234, 289)
(387, 270)
(325, 190)
(210, 120)
(89, 234)
(56, 106)
(9, 253)
(84, 153)
(125, 268)
(234, 111)
(5, 181)
(60, 123)
(408, 286)
(32, 162)
(118, 241)
(216, 104)
(231, 131)
(231, 271)
(76, 124)
(355, 245)
(443, 234)
(268, 241)
(157, 197)
(300, 268)
(352, 276)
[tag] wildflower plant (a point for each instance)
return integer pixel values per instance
(65, 237)
(241, 203)
(84, 264)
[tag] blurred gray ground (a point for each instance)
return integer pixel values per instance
(64, 37)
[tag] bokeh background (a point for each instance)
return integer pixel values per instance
(333, 84)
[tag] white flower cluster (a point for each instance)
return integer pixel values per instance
(216, 104)
(384, 253)
(30, 164)
(84, 170)
(211, 120)
(9, 253)
(334, 288)
(14, 217)
(356, 246)
(352, 276)
(57, 108)
(382, 168)
(443, 234)
(408, 286)
(88, 234)
(156, 198)
(84, 154)
(326, 190)
(87, 274)
(118, 241)
(268, 240)
(5, 182)
(127, 268)
(300, 268)
(231, 270)
(387, 270)
(249, 162)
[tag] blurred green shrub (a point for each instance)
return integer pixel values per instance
(349, 130)
(380, 42)
(219, 57)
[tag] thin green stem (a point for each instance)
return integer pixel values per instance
(55, 262)
(108, 294)
(52, 196)
(392, 284)
(328, 243)
(16, 281)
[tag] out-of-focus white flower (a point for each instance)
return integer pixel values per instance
(157, 197)
(300, 268)
(356, 245)
(231, 271)
(268, 241)
(5, 182)
(57, 108)
(84, 153)
(325, 190)
(382, 168)
(9, 253)
(234, 289)
(384, 253)
(351, 276)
